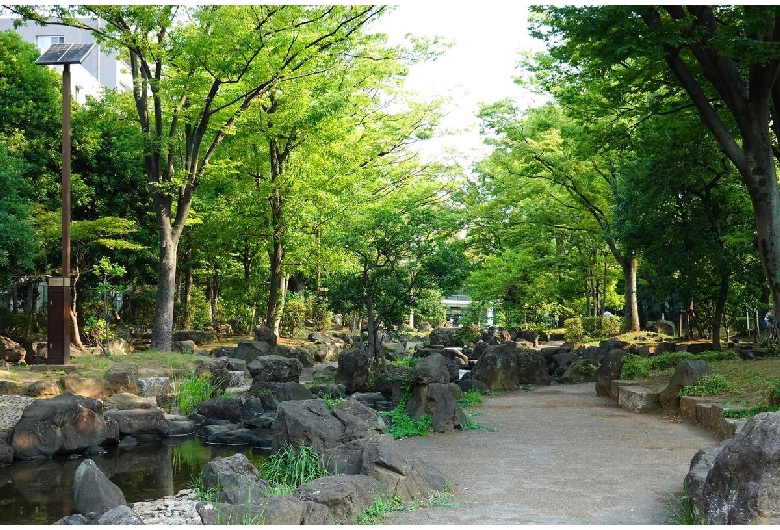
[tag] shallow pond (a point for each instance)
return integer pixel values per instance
(39, 491)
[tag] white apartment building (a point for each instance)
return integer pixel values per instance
(99, 70)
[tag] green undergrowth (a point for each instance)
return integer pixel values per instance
(637, 366)
(707, 385)
(471, 398)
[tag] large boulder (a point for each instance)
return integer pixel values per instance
(93, 492)
(353, 369)
(250, 350)
(437, 400)
(147, 423)
(394, 468)
(685, 374)
(6, 454)
(64, 424)
(743, 483)
(345, 496)
(86, 386)
(609, 370)
(433, 369)
(123, 378)
(275, 368)
(305, 355)
(235, 479)
(221, 409)
(507, 366)
(265, 334)
(311, 423)
(445, 337)
(580, 371)
(271, 394)
(197, 337)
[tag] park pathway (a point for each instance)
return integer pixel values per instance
(560, 455)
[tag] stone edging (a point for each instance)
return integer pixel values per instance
(696, 410)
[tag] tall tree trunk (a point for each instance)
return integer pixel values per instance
(162, 329)
(75, 336)
(720, 308)
(631, 306)
(275, 259)
(278, 160)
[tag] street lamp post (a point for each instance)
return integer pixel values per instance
(58, 328)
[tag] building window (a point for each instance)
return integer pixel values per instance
(45, 41)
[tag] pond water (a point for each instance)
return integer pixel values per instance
(39, 491)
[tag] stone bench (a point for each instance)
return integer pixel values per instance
(709, 414)
(637, 399)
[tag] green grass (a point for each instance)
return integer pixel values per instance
(472, 425)
(403, 426)
(289, 467)
(707, 385)
(751, 384)
(330, 402)
(681, 511)
(637, 366)
(471, 398)
(381, 506)
(192, 391)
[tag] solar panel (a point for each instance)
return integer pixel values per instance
(66, 53)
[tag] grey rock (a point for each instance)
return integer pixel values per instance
(353, 370)
(275, 368)
(609, 369)
(265, 334)
(345, 496)
(743, 483)
(507, 366)
(437, 400)
(685, 374)
(93, 492)
(63, 424)
(121, 515)
(235, 479)
(139, 421)
(433, 369)
(123, 378)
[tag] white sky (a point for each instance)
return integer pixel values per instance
(478, 68)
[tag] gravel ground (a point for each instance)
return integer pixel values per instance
(11, 408)
(559, 455)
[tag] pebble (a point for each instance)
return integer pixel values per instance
(172, 510)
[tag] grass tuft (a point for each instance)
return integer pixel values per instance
(192, 391)
(681, 511)
(289, 467)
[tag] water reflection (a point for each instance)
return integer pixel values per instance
(39, 491)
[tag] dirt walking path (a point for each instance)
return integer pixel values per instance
(560, 455)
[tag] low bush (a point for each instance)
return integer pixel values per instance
(707, 385)
(574, 329)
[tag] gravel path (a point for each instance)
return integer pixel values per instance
(560, 455)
